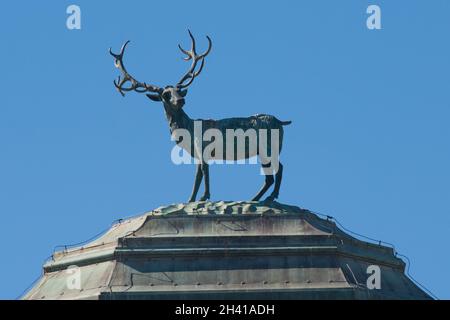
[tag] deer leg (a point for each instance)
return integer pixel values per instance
(269, 181)
(276, 189)
(198, 180)
(205, 170)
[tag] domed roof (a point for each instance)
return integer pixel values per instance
(232, 250)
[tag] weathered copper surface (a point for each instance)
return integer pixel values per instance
(232, 250)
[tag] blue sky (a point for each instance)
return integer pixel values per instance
(369, 143)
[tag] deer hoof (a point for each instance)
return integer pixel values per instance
(270, 198)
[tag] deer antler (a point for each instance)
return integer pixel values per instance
(135, 85)
(192, 54)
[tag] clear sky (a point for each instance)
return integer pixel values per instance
(369, 143)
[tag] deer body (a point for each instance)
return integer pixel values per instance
(173, 101)
(257, 122)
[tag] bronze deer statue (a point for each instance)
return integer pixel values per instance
(173, 99)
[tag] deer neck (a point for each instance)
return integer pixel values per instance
(178, 119)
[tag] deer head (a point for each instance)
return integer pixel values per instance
(173, 96)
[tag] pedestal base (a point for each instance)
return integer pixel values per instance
(225, 250)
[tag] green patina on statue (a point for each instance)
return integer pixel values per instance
(173, 99)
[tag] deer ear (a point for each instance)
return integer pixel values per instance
(183, 93)
(154, 97)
